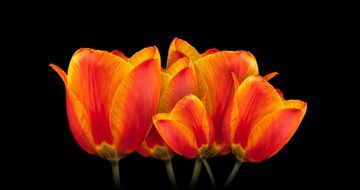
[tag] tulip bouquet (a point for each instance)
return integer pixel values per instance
(199, 106)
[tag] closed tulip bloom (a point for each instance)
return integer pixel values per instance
(259, 122)
(110, 99)
(187, 129)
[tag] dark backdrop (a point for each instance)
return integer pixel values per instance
(297, 53)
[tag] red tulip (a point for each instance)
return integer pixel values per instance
(259, 122)
(111, 99)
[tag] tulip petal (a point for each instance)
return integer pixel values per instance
(179, 65)
(179, 137)
(152, 139)
(209, 52)
(254, 99)
(271, 133)
(270, 75)
(93, 77)
(180, 48)
(144, 55)
(180, 85)
(79, 123)
(215, 76)
(189, 122)
(135, 102)
(60, 72)
(119, 54)
(78, 119)
(298, 104)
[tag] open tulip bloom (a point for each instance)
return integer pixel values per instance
(200, 106)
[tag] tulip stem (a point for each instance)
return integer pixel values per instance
(116, 173)
(170, 172)
(196, 173)
(208, 169)
(232, 174)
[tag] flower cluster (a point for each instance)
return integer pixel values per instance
(199, 106)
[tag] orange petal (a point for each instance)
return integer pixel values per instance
(179, 65)
(78, 119)
(280, 94)
(60, 72)
(298, 104)
(79, 123)
(215, 76)
(152, 142)
(209, 52)
(254, 99)
(180, 85)
(180, 48)
(119, 54)
(135, 102)
(177, 136)
(93, 78)
(187, 128)
(152, 139)
(144, 55)
(270, 75)
(272, 132)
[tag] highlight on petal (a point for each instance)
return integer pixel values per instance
(216, 73)
(145, 55)
(136, 100)
(187, 128)
(254, 99)
(93, 77)
(180, 48)
(272, 133)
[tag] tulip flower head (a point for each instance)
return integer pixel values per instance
(259, 122)
(110, 99)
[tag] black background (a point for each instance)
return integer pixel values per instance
(299, 52)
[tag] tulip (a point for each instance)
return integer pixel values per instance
(110, 100)
(215, 72)
(188, 130)
(259, 122)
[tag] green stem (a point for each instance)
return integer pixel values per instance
(232, 174)
(116, 173)
(208, 169)
(170, 172)
(196, 173)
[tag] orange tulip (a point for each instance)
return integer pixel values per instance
(111, 99)
(215, 72)
(259, 122)
(177, 81)
(187, 129)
